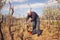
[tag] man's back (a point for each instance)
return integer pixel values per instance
(33, 15)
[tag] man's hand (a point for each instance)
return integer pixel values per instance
(29, 20)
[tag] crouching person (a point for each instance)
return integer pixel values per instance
(34, 18)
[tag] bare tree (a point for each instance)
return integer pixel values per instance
(11, 11)
(2, 3)
(58, 1)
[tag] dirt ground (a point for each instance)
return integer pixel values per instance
(19, 32)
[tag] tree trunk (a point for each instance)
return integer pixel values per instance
(2, 38)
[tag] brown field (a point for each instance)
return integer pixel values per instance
(18, 31)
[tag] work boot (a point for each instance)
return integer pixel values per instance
(40, 33)
(34, 32)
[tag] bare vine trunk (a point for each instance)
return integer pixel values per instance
(2, 38)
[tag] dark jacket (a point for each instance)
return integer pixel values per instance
(33, 15)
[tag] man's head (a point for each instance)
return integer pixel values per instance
(29, 13)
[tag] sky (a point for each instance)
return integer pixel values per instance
(21, 6)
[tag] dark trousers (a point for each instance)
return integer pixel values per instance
(36, 24)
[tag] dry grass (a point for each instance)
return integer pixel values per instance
(19, 31)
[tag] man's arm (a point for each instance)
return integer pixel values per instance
(27, 18)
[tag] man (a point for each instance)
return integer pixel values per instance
(34, 18)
